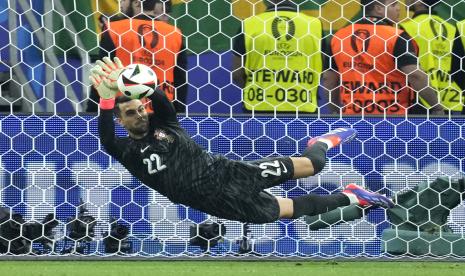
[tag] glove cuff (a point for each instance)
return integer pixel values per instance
(107, 104)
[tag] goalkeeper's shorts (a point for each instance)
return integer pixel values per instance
(241, 194)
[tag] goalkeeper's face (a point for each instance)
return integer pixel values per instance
(134, 118)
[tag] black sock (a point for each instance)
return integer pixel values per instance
(313, 204)
(317, 155)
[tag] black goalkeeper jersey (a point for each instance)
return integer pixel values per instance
(166, 159)
(170, 162)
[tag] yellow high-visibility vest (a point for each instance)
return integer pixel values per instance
(283, 62)
(435, 39)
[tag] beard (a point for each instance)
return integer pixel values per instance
(140, 128)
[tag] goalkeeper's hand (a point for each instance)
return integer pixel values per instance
(103, 76)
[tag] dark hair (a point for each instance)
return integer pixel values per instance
(119, 100)
(148, 5)
(370, 4)
(430, 3)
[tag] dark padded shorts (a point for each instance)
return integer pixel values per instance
(241, 194)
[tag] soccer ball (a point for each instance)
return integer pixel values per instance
(137, 81)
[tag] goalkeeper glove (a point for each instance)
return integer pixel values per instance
(104, 75)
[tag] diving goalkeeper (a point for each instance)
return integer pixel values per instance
(165, 158)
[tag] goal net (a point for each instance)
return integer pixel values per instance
(62, 194)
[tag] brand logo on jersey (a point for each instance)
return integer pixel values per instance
(439, 30)
(360, 40)
(144, 31)
(283, 27)
(144, 149)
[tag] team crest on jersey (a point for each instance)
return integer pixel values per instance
(161, 135)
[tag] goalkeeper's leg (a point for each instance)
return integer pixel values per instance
(313, 159)
(312, 162)
(313, 204)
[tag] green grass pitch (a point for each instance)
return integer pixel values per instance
(225, 268)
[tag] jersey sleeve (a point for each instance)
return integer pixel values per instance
(110, 142)
(405, 50)
(163, 109)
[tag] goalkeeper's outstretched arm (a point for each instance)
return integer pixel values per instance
(163, 108)
(106, 127)
(103, 77)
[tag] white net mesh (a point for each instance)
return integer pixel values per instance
(61, 194)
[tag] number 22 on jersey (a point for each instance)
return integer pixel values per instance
(154, 164)
(270, 168)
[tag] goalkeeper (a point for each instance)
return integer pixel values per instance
(164, 157)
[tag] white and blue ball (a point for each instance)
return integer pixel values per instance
(137, 81)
